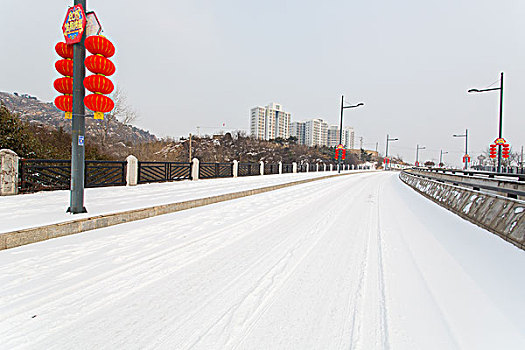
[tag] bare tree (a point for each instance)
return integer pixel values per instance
(122, 112)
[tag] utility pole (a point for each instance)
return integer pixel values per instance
(190, 146)
(78, 125)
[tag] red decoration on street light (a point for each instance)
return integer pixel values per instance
(98, 84)
(505, 152)
(100, 45)
(65, 67)
(64, 103)
(99, 103)
(98, 63)
(64, 50)
(64, 85)
(493, 152)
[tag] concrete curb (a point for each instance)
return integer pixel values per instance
(502, 216)
(37, 234)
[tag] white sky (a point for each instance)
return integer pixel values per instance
(185, 64)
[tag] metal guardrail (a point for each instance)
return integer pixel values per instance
(483, 173)
(55, 174)
(249, 169)
(510, 185)
(163, 171)
(271, 168)
(215, 170)
(287, 168)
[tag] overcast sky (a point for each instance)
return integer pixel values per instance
(187, 63)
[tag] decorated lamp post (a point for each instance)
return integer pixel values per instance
(73, 67)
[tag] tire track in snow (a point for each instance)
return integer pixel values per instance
(146, 263)
(262, 294)
(383, 306)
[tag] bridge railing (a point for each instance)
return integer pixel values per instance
(31, 175)
(509, 185)
(55, 174)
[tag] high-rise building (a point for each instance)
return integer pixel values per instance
(316, 132)
(333, 136)
(297, 129)
(269, 122)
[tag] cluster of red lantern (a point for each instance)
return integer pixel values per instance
(340, 152)
(505, 149)
(98, 83)
(64, 85)
(493, 151)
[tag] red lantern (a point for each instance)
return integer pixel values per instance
(64, 103)
(98, 83)
(98, 103)
(65, 67)
(64, 50)
(99, 45)
(100, 65)
(64, 85)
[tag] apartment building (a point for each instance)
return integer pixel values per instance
(297, 129)
(269, 122)
(348, 136)
(315, 132)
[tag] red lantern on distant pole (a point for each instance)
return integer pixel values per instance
(64, 85)
(99, 84)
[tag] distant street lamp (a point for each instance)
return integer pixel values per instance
(417, 153)
(441, 153)
(465, 157)
(500, 133)
(386, 152)
(340, 160)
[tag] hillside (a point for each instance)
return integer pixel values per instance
(33, 111)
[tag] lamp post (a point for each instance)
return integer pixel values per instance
(466, 146)
(417, 153)
(341, 127)
(441, 153)
(78, 125)
(386, 152)
(500, 133)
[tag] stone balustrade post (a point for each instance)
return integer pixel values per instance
(235, 168)
(8, 172)
(307, 167)
(280, 167)
(195, 169)
(261, 167)
(294, 167)
(317, 167)
(132, 170)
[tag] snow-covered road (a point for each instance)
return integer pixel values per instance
(354, 262)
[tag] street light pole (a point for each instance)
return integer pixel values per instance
(466, 146)
(441, 157)
(500, 132)
(340, 157)
(78, 125)
(417, 153)
(386, 152)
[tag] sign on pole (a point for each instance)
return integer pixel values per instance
(93, 26)
(74, 24)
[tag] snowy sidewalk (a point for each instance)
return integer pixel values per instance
(45, 208)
